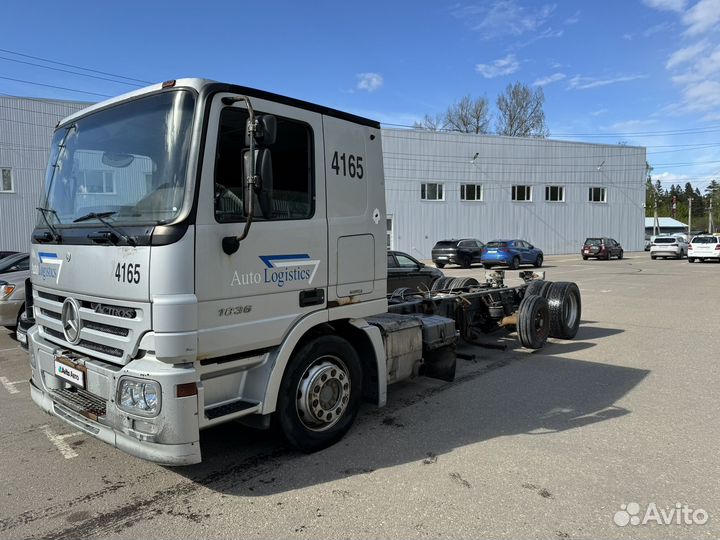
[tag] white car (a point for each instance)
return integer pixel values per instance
(669, 246)
(705, 247)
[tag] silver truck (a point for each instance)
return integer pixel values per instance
(207, 253)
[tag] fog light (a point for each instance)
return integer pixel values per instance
(139, 396)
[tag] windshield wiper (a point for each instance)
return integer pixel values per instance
(55, 235)
(100, 216)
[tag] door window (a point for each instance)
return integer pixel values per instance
(292, 195)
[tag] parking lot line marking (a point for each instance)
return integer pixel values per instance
(10, 385)
(59, 441)
(8, 350)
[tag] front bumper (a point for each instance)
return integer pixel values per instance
(170, 438)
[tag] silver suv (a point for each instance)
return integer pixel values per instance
(669, 246)
(705, 247)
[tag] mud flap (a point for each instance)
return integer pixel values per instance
(440, 364)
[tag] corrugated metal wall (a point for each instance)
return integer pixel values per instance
(26, 127)
(413, 157)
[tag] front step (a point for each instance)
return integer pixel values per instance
(212, 413)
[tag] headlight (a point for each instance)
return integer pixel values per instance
(6, 289)
(139, 396)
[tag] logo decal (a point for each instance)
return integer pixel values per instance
(50, 265)
(280, 269)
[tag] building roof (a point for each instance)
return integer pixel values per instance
(664, 222)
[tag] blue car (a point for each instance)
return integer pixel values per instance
(511, 253)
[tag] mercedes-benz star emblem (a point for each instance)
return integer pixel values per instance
(70, 319)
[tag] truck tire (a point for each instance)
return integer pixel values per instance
(539, 287)
(442, 283)
(533, 324)
(565, 309)
(515, 263)
(320, 393)
(459, 283)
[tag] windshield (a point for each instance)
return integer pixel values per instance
(130, 159)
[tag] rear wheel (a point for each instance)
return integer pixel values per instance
(565, 309)
(539, 261)
(691, 259)
(487, 266)
(440, 265)
(653, 257)
(320, 393)
(539, 287)
(515, 263)
(585, 258)
(466, 262)
(533, 321)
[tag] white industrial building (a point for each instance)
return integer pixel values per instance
(551, 193)
(438, 185)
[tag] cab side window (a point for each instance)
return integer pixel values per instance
(293, 194)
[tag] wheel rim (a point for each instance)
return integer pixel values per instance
(323, 393)
(570, 310)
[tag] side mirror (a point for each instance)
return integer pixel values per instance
(264, 183)
(266, 130)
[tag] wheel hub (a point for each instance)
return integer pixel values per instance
(323, 393)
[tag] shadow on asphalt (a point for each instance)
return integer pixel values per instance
(535, 394)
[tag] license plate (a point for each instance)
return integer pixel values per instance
(69, 371)
(492, 250)
(21, 337)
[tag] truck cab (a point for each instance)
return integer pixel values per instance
(203, 253)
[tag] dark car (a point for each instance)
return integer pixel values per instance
(601, 248)
(405, 271)
(463, 252)
(512, 253)
(4, 254)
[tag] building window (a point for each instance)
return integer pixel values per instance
(432, 192)
(555, 193)
(522, 193)
(471, 192)
(598, 194)
(389, 229)
(6, 184)
(97, 182)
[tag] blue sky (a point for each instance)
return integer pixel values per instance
(640, 72)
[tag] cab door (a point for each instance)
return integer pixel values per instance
(249, 299)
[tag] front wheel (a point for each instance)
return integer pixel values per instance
(320, 393)
(539, 261)
(620, 255)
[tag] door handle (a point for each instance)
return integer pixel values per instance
(312, 297)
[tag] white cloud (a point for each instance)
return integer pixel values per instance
(573, 19)
(631, 126)
(501, 66)
(703, 96)
(549, 79)
(685, 55)
(369, 81)
(666, 5)
(504, 17)
(599, 112)
(579, 82)
(658, 28)
(705, 67)
(702, 17)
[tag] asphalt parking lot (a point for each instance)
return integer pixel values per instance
(556, 443)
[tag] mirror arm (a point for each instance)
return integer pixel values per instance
(231, 244)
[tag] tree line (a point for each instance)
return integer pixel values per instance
(519, 113)
(701, 202)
